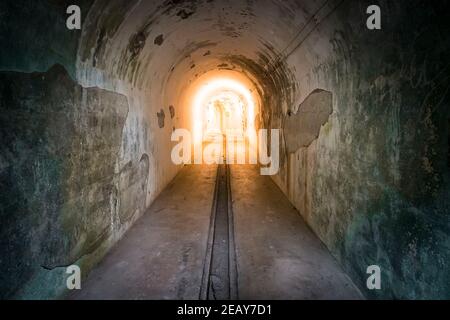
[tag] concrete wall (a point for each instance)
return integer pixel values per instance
(82, 154)
(374, 185)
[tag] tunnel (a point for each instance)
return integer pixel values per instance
(116, 157)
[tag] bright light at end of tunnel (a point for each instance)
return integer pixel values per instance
(212, 88)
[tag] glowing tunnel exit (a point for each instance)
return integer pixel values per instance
(222, 106)
(224, 110)
(224, 113)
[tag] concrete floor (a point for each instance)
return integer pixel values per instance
(278, 256)
(162, 255)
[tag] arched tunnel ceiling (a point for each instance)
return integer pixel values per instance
(143, 41)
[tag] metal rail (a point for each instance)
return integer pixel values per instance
(219, 280)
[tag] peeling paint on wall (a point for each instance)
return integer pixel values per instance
(60, 144)
(302, 128)
(172, 111)
(161, 115)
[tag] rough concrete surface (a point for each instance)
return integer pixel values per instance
(59, 145)
(278, 256)
(162, 256)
